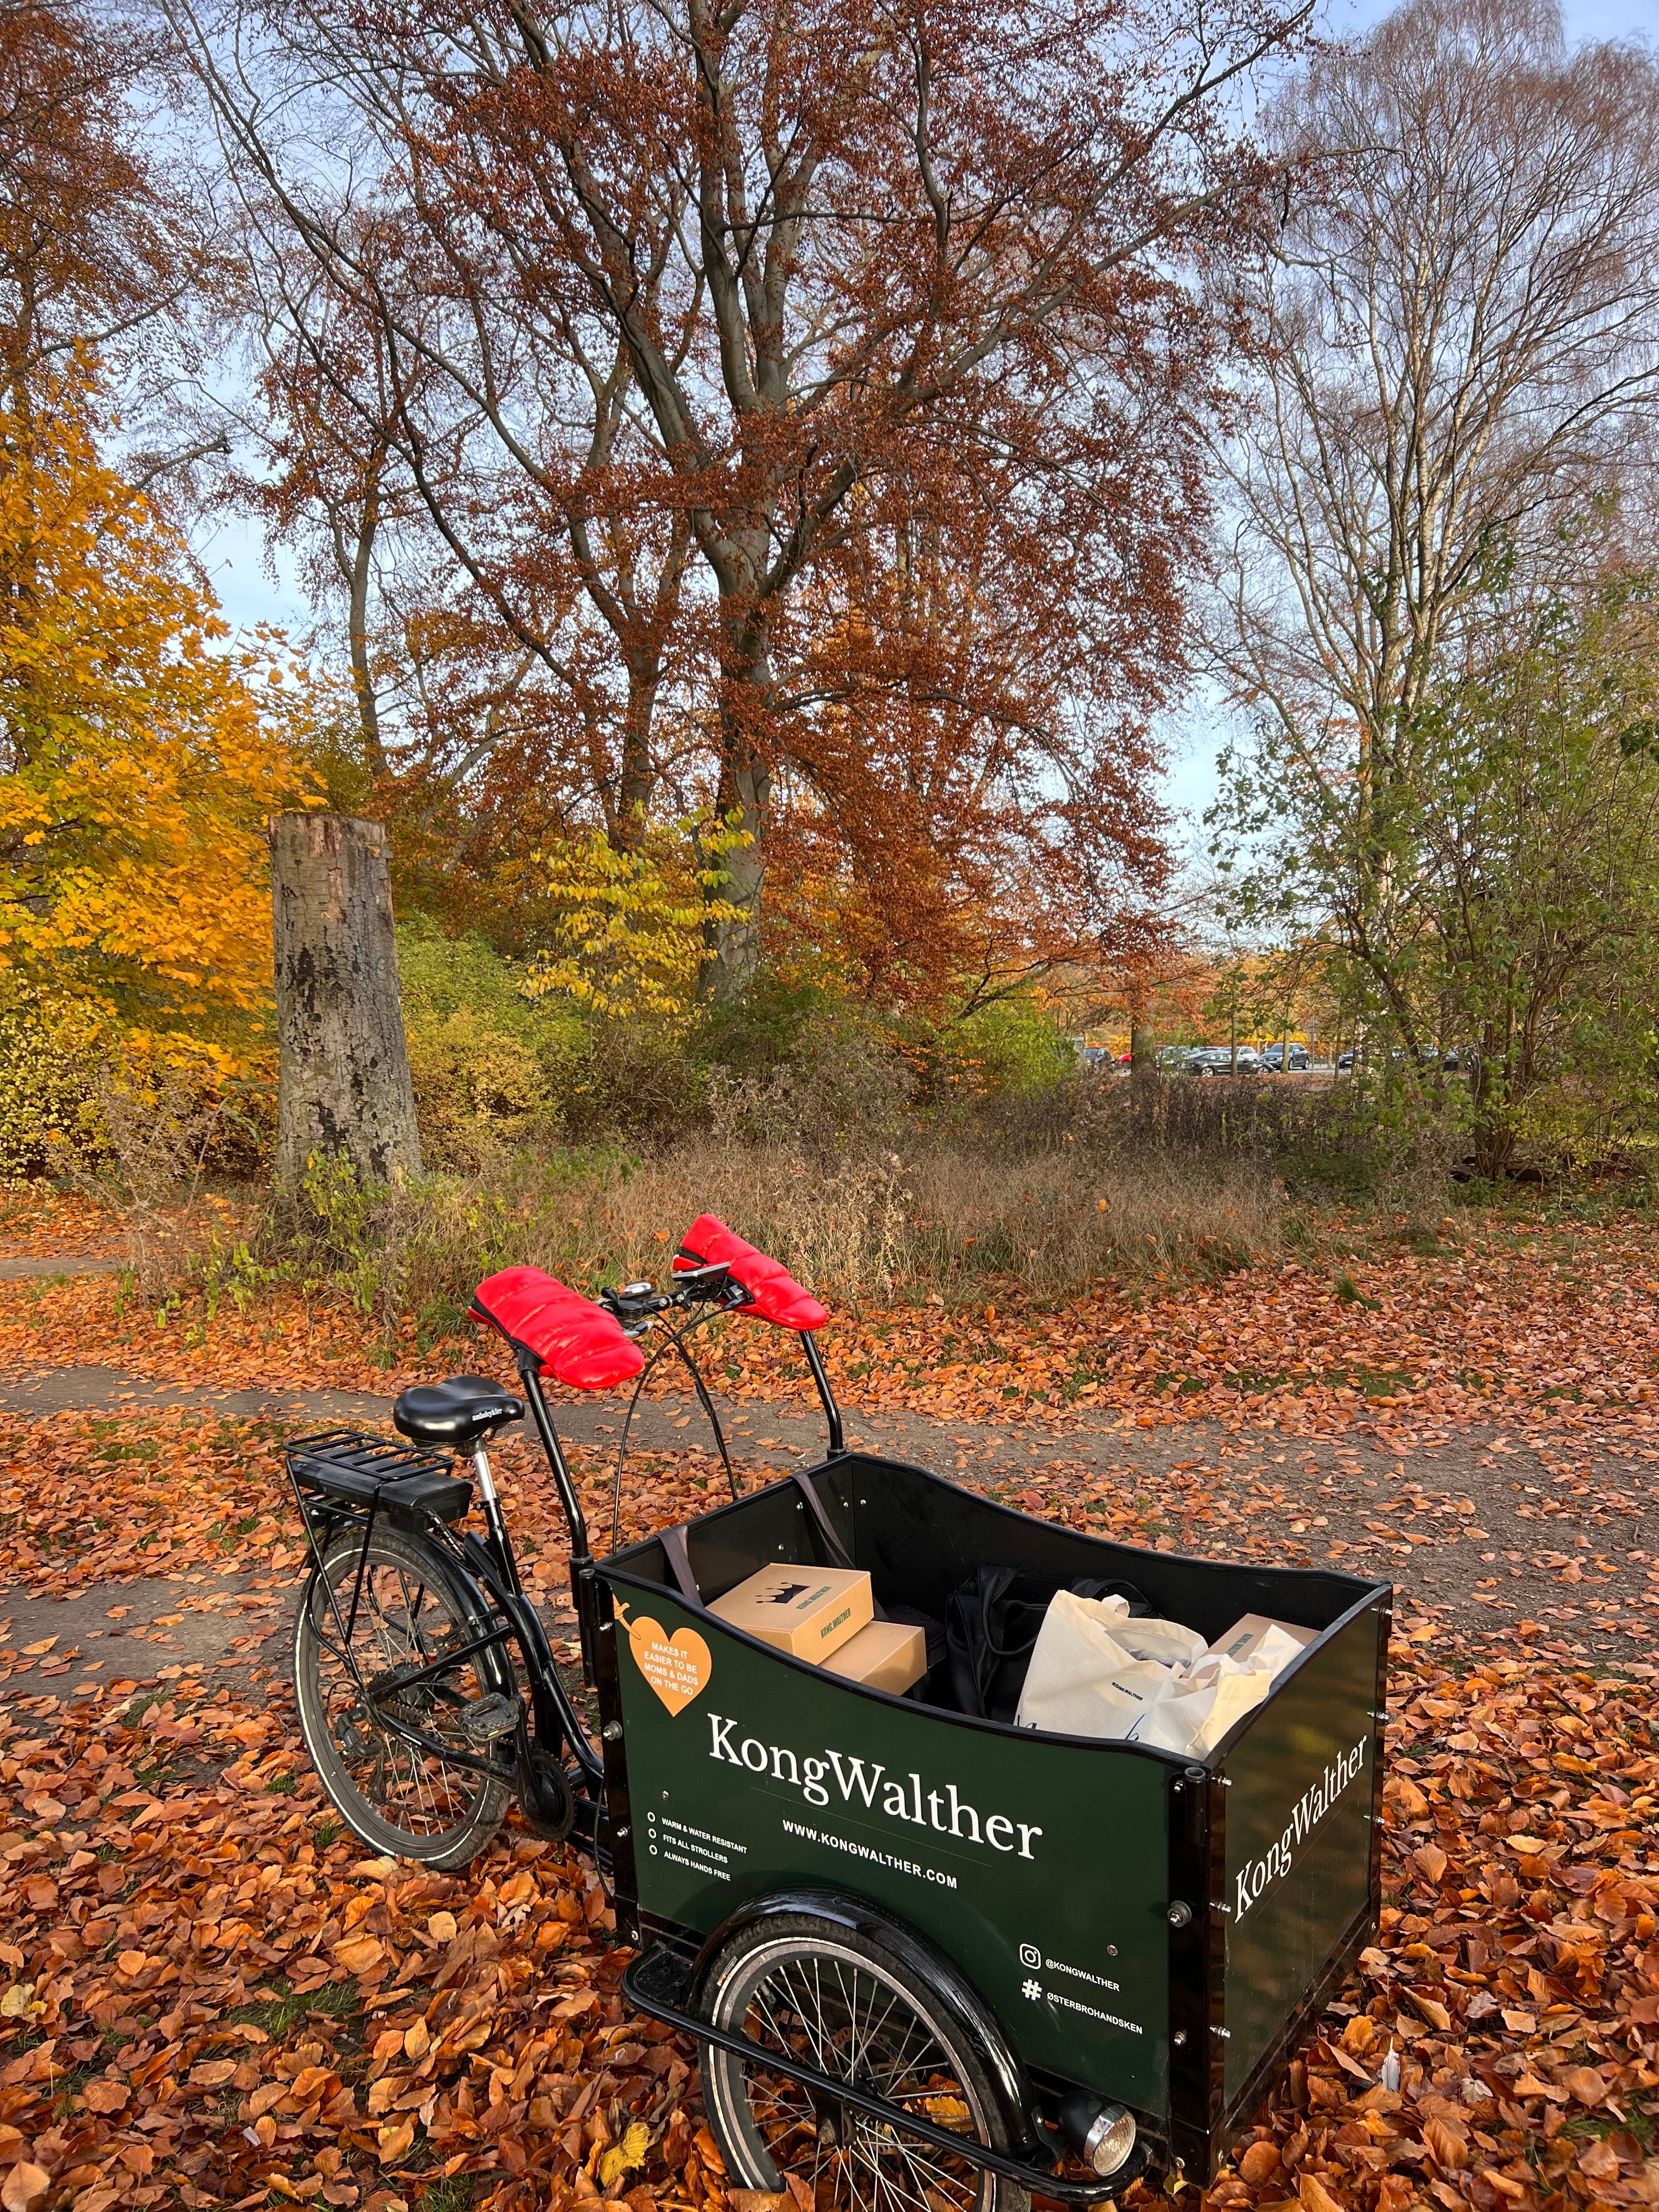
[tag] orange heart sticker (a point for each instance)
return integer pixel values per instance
(676, 1667)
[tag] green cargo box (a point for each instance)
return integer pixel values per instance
(1133, 1923)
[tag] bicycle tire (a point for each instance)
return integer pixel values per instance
(397, 1801)
(846, 2004)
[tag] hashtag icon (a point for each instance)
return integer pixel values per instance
(1031, 1990)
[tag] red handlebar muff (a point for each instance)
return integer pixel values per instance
(774, 1293)
(580, 1345)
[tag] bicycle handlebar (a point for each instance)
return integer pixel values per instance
(635, 1306)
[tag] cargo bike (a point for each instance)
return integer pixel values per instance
(933, 1962)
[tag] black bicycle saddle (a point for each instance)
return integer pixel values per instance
(456, 1412)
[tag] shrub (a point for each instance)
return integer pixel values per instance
(48, 1086)
(496, 1072)
(1009, 1048)
(480, 1056)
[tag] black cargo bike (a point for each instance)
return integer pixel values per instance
(934, 1963)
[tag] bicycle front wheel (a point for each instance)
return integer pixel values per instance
(404, 1800)
(816, 1994)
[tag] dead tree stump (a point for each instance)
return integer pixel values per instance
(343, 1086)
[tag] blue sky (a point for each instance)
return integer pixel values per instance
(236, 559)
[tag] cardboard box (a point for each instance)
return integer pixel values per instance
(887, 1655)
(808, 1612)
(1255, 1633)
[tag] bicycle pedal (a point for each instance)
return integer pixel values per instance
(487, 1718)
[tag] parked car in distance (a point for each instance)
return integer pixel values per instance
(1272, 1058)
(1451, 1062)
(1218, 1059)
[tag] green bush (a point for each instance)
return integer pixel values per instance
(480, 1054)
(1009, 1048)
(764, 1030)
(495, 1073)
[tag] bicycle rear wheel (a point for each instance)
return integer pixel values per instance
(402, 1799)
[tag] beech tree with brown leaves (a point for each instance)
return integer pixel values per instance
(518, 617)
(891, 307)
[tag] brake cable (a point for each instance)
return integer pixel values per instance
(674, 1344)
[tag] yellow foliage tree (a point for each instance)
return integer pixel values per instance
(631, 926)
(141, 756)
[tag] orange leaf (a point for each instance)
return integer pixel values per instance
(1586, 2085)
(1449, 2145)
(1315, 2197)
(1259, 2162)
(394, 2140)
(25, 2186)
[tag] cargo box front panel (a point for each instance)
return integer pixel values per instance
(1040, 1867)
(1301, 1781)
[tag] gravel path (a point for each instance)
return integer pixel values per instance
(1490, 1527)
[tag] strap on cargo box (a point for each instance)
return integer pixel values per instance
(679, 1558)
(814, 1504)
(838, 1555)
(679, 1564)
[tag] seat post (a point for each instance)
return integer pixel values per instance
(493, 1515)
(581, 1559)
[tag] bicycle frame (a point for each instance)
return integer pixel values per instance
(487, 1566)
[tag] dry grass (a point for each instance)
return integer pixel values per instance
(865, 1228)
(947, 1217)
(149, 1173)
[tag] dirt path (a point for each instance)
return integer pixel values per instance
(45, 1267)
(144, 1633)
(1488, 1528)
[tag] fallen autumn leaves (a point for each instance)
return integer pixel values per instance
(1511, 1314)
(216, 1997)
(210, 1997)
(1502, 2046)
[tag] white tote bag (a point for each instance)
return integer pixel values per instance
(1081, 1682)
(1201, 1705)
(1166, 1641)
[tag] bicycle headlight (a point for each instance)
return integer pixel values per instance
(1102, 2135)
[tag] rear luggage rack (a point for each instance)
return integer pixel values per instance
(341, 1468)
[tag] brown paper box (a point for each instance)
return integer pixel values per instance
(809, 1612)
(1242, 1639)
(888, 1655)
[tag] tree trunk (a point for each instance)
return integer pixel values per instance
(363, 674)
(733, 957)
(343, 1086)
